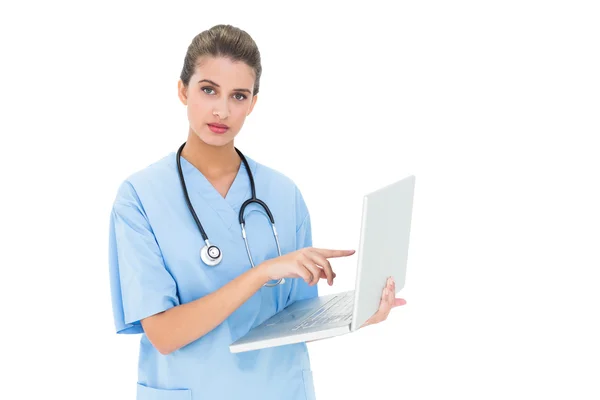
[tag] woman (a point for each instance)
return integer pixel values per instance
(189, 305)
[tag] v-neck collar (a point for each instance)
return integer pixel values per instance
(226, 207)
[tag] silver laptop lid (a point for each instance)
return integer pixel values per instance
(383, 248)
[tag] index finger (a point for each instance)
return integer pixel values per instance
(329, 253)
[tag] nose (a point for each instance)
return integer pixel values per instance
(222, 110)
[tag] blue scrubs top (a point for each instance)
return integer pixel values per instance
(154, 260)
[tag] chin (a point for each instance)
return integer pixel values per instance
(212, 139)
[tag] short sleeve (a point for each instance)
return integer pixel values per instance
(300, 289)
(140, 284)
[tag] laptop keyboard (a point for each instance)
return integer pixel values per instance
(337, 309)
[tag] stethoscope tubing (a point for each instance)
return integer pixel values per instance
(242, 221)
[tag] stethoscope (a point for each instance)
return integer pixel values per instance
(210, 254)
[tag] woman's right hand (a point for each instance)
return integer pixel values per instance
(309, 263)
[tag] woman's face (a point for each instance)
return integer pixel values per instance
(219, 92)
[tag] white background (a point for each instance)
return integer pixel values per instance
(494, 106)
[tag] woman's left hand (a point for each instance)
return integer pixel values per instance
(388, 301)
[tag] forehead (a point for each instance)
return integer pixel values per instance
(225, 72)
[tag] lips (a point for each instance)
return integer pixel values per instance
(218, 128)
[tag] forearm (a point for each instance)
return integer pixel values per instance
(181, 325)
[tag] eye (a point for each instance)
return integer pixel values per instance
(204, 89)
(243, 96)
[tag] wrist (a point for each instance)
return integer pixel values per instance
(261, 272)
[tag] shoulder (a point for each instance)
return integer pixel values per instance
(273, 177)
(280, 185)
(153, 178)
(269, 174)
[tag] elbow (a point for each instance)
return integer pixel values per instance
(163, 346)
(158, 337)
(162, 343)
(164, 350)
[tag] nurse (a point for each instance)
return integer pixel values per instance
(187, 311)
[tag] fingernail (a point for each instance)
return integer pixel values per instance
(392, 279)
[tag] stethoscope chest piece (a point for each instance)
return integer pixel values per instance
(211, 255)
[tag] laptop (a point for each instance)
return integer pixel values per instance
(382, 252)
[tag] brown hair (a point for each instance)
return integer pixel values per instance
(223, 41)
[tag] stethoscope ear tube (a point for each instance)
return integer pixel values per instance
(262, 204)
(187, 197)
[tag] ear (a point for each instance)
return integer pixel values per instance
(182, 92)
(254, 98)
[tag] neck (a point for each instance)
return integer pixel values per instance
(212, 161)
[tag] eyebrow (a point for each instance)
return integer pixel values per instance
(217, 85)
